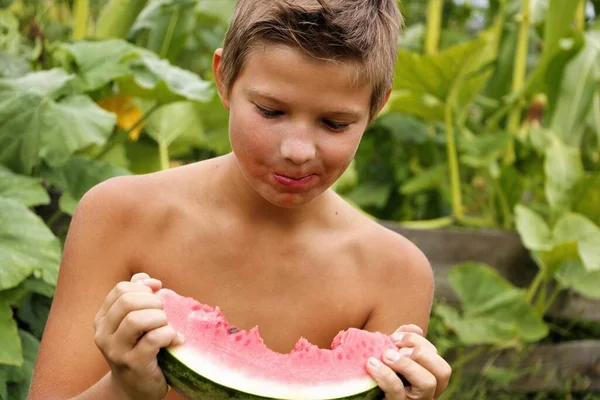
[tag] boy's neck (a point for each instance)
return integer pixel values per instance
(241, 196)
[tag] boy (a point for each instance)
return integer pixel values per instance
(257, 229)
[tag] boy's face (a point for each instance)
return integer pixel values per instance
(295, 122)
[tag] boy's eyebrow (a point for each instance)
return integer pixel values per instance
(341, 112)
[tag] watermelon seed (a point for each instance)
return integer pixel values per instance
(340, 356)
(232, 330)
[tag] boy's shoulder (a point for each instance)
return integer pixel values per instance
(400, 273)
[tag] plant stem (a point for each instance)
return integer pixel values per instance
(82, 16)
(457, 207)
(434, 24)
(163, 151)
(519, 74)
(552, 299)
(110, 142)
(54, 218)
(580, 16)
(169, 34)
(537, 281)
(462, 360)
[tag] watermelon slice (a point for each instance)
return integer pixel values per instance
(220, 361)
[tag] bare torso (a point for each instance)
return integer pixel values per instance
(311, 279)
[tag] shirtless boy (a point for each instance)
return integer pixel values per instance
(257, 229)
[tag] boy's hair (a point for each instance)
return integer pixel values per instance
(361, 31)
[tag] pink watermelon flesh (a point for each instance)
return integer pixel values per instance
(239, 360)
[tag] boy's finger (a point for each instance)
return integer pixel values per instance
(149, 345)
(127, 303)
(436, 365)
(386, 379)
(411, 328)
(138, 323)
(411, 339)
(119, 290)
(136, 278)
(423, 382)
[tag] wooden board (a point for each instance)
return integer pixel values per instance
(570, 366)
(503, 251)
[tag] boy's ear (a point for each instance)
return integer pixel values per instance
(216, 67)
(385, 100)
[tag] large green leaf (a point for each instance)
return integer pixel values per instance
(219, 8)
(558, 22)
(482, 150)
(77, 176)
(573, 274)
(33, 311)
(173, 120)
(424, 84)
(534, 231)
(572, 227)
(20, 377)
(488, 299)
(581, 81)
(164, 26)
(586, 198)
(10, 351)
(35, 126)
(157, 79)
(24, 189)
(12, 66)
(98, 63)
(26, 246)
(564, 169)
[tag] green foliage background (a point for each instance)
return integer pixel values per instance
(494, 122)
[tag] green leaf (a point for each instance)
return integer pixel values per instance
(481, 151)
(493, 306)
(586, 198)
(551, 261)
(425, 83)
(36, 127)
(564, 169)
(26, 246)
(164, 27)
(173, 120)
(10, 351)
(222, 9)
(572, 227)
(98, 63)
(12, 66)
(159, 80)
(577, 90)
(558, 22)
(77, 176)
(431, 178)
(573, 274)
(33, 311)
(370, 194)
(143, 155)
(20, 377)
(24, 189)
(534, 231)
(404, 127)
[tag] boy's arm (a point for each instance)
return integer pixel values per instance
(404, 288)
(404, 294)
(93, 262)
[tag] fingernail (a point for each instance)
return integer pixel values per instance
(392, 355)
(374, 362)
(397, 337)
(406, 351)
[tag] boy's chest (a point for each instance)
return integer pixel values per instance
(289, 291)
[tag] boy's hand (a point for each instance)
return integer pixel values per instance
(131, 327)
(418, 361)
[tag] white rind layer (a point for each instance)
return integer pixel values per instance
(236, 379)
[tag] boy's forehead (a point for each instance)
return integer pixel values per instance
(265, 53)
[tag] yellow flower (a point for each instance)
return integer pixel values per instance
(128, 114)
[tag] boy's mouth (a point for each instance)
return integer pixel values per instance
(292, 181)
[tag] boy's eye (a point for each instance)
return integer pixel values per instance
(268, 113)
(335, 126)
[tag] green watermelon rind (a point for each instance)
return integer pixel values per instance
(194, 386)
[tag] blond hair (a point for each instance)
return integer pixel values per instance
(361, 31)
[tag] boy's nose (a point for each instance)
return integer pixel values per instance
(298, 150)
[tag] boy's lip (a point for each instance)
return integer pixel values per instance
(294, 181)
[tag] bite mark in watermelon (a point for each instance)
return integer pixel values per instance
(220, 361)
